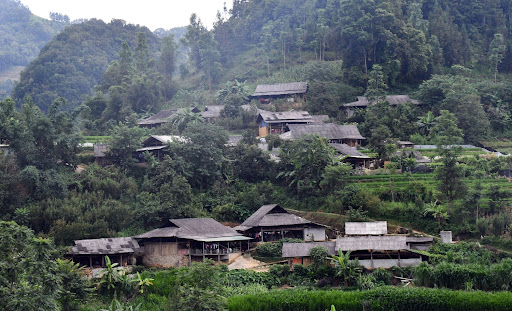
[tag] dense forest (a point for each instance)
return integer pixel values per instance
(93, 81)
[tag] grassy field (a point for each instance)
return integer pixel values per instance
(96, 139)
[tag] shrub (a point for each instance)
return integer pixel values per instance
(382, 275)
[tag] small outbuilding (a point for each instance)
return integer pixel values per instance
(278, 122)
(157, 145)
(272, 223)
(363, 103)
(352, 155)
(92, 252)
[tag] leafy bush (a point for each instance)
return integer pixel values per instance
(382, 275)
(237, 278)
(274, 249)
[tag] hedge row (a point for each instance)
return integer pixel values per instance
(382, 298)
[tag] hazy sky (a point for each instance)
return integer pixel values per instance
(150, 13)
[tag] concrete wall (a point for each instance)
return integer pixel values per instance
(366, 228)
(388, 263)
(353, 243)
(163, 255)
(314, 234)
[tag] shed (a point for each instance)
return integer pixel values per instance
(92, 252)
(272, 222)
(298, 253)
(163, 116)
(157, 145)
(100, 156)
(352, 155)
(190, 239)
(335, 133)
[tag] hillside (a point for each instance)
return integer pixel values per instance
(23, 35)
(74, 61)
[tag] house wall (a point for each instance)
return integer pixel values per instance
(164, 255)
(314, 234)
(388, 263)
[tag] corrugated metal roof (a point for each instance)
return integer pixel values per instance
(366, 228)
(393, 100)
(325, 130)
(281, 89)
(105, 246)
(355, 243)
(282, 219)
(320, 118)
(352, 152)
(285, 116)
(292, 250)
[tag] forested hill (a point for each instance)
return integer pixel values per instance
(23, 35)
(74, 61)
(409, 39)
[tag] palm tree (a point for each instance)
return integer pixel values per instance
(426, 122)
(183, 117)
(345, 268)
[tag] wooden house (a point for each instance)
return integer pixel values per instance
(100, 154)
(335, 133)
(352, 155)
(363, 103)
(272, 223)
(294, 92)
(157, 145)
(92, 252)
(183, 241)
(278, 122)
(369, 243)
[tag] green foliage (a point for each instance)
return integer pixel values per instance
(75, 288)
(118, 306)
(381, 298)
(241, 278)
(28, 272)
(274, 249)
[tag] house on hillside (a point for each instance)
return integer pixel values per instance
(157, 145)
(214, 112)
(163, 116)
(277, 122)
(272, 223)
(369, 243)
(293, 92)
(335, 133)
(363, 102)
(100, 154)
(187, 240)
(92, 252)
(352, 155)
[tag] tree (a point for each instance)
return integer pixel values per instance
(28, 272)
(348, 270)
(445, 130)
(497, 50)
(181, 119)
(381, 141)
(449, 175)
(125, 140)
(376, 84)
(303, 163)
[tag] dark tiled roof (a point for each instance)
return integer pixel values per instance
(281, 89)
(325, 130)
(162, 116)
(292, 250)
(193, 229)
(392, 99)
(352, 152)
(320, 118)
(105, 246)
(272, 215)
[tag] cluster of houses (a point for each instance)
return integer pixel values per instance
(183, 241)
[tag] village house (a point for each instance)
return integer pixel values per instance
(272, 223)
(363, 103)
(335, 133)
(100, 154)
(353, 156)
(214, 112)
(92, 252)
(369, 243)
(278, 122)
(163, 116)
(157, 145)
(294, 92)
(187, 240)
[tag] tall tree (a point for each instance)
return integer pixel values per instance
(497, 50)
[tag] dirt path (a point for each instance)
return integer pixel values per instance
(248, 263)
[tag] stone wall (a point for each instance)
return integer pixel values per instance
(165, 261)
